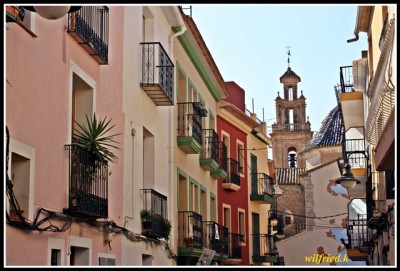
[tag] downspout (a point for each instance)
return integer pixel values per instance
(353, 39)
(181, 23)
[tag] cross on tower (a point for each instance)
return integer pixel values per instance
(288, 53)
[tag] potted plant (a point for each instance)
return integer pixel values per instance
(188, 242)
(147, 218)
(223, 243)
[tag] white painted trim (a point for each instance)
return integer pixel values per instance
(54, 243)
(30, 153)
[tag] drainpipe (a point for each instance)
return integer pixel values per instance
(181, 23)
(354, 39)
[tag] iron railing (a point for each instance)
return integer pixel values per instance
(88, 183)
(355, 153)
(358, 232)
(190, 230)
(91, 24)
(236, 248)
(157, 68)
(346, 79)
(291, 127)
(262, 184)
(215, 237)
(189, 120)
(264, 245)
(233, 172)
(156, 204)
(210, 144)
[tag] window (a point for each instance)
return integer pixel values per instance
(227, 216)
(55, 257)
(106, 261)
(82, 97)
(56, 251)
(292, 158)
(80, 251)
(21, 173)
(240, 157)
(242, 226)
(148, 159)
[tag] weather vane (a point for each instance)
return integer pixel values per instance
(288, 53)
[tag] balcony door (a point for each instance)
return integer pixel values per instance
(256, 233)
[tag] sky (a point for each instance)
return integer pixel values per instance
(249, 46)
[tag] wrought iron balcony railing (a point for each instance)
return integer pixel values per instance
(357, 151)
(190, 230)
(358, 233)
(189, 126)
(262, 185)
(264, 248)
(236, 249)
(215, 237)
(210, 144)
(155, 213)
(89, 26)
(157, 73)
(88, 183)
(233, 172)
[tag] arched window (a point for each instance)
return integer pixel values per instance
(292, 158)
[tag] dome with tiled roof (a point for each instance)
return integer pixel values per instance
(330, 132)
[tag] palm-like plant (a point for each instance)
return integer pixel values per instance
(92, 138)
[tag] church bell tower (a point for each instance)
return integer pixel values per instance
(292, 130)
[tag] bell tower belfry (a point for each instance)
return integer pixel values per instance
(291, 131)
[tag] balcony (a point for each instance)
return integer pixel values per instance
(89, 27)
(262, 188)
(189, 127)
(235, 249)
(351, 101)
(190, 234)
(88, 184)
(359, 236)
(209, 150)
(216, 237)
(356, 154)
(291, 127)
(264, 249)
(154, 214)
(14, 14)
(157, 74)
(221, 172)
(232, 181)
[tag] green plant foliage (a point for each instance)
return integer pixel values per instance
(92, 138)
(167, 229)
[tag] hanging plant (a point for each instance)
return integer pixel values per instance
(92, 138)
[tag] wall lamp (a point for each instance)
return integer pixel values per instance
(280, 234)
(347, 180)
(52, 12)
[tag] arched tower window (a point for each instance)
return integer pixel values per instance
(291, 119)
(292, 158)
